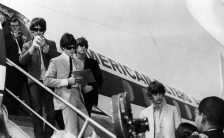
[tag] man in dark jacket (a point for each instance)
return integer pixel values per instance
(90, 90)
(15, 80)
(209, 118)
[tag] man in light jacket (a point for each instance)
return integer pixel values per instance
(163, 118)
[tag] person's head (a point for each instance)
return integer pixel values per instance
(185, 130)
(38, 26)
(68, 44)
(156, 92)
(14, 24)
(82, 45)
(210, 114)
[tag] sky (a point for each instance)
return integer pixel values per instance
(158, 38)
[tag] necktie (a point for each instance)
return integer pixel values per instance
(70, 64)
(70, 71)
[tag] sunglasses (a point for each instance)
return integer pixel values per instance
(83, 46)
(70, 47)
(38, 29)
(14, 25)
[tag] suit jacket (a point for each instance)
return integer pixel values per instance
(92, 96)
(211, 134)
(214, 134)
(12, 53)
(57, 71)
(169, 121)
(34, 61)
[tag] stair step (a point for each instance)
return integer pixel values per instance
(21, 120)
(28, 130)
(25, 123)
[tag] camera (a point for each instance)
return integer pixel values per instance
(124, 124)
(17, 34)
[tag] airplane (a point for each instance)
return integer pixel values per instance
(117, 77)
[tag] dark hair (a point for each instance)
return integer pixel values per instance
(155, 87)
(67, 40)
(13, 20)
(82, 42)
(185, 130)
(213, 108)
(38, 22)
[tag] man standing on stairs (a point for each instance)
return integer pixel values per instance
(37, 53)
(59, 75)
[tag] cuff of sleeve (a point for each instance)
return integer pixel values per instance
(46, 49)
(64, 82)
(30, 52)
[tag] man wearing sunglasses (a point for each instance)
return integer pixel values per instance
(90, 90)
(59, 75)
(37, 54)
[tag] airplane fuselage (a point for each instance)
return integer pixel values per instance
(120, 78)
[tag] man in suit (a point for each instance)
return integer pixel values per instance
(15, 80)
(37, 54)
(59, 75)
(90, 90)
(209, 118)
(163, 118)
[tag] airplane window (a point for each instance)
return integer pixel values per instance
(188, 111)
(175, 103)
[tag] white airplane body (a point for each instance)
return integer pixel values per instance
(117, 77)
(128, 79)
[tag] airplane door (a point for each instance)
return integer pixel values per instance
(2, 63)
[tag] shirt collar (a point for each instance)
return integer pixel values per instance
(158, 107)
(66, 56)
(80, 57)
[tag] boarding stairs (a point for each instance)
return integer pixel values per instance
(24, 124)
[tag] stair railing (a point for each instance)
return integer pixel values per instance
(86, 118)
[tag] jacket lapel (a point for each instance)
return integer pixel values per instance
(65, 63)
(86, 63)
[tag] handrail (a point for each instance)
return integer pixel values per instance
(23, 103)
(87, 118)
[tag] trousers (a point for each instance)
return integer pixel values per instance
(73, 122)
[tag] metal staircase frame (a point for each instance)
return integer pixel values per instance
(86, 118)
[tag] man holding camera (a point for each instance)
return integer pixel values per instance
(15, 80)
(163, 118)
(37, 53)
